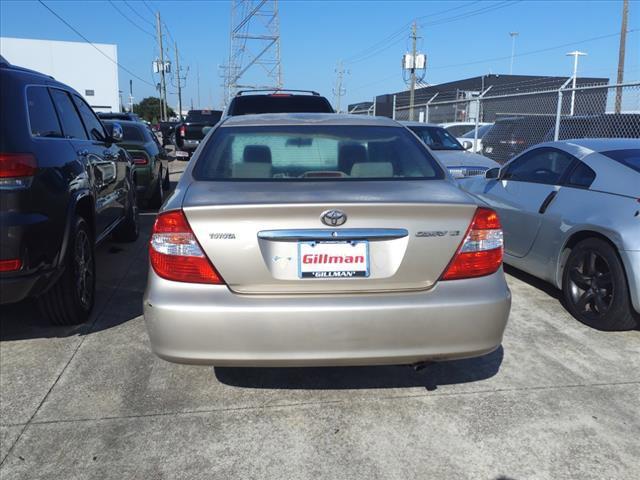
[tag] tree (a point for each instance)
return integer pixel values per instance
(149, 109)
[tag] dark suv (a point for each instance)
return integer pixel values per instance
(64, 185)
(248, 102)
(510, 136)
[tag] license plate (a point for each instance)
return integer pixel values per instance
(333, 259)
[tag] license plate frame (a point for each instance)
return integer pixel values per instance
(344, 272)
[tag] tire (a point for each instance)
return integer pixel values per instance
(129, 229)
(157, 197)
(70, 300)
(595, 287)
(166, 182)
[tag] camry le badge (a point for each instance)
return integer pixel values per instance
(333, 218)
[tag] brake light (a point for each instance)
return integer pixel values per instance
(481, 250)
(280, 95)
(10, 265)
(140, 161)
(175, 253)
(16, 169)
(182, 130)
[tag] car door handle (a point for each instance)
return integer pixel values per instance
(83, 153)
(547, 201)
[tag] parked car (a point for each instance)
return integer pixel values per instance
(190, 133)
(510, 136)
(457, 129)
(604, 125)
(448, 150)
(469, 141)
(249, 102)
(65, 185)
(150, 160)
(570, 212)
(167, 131)
(127, 116)
(300, 239)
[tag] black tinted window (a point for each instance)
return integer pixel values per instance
(132, 134)
(250, 104)
(71, 123)
(91, 122)
(582, 176)
(210, 117)
(437, 138)
(630, 157)
(542, 165)
(42, 115)
(459, 130)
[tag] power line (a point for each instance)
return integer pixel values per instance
(149, 8)
(90, 43)
(141, 17)
(131, 21)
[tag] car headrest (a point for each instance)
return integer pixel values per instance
(350, 154)
(256, 154)
(372, 170)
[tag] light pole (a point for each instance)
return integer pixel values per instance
(575, 54)
(513, 36)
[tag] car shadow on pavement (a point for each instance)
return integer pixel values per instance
(535, 282)
(354, 378)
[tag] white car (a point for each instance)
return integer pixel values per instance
(469, 141)
(450, 152)
(457, 129)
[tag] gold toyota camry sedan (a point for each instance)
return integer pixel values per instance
(322, 239)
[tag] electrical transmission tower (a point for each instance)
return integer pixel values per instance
(254, 53)
(339, 91)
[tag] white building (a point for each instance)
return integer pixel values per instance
(76, 64)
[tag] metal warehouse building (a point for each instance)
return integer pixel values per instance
(512, 92)
(77, 64)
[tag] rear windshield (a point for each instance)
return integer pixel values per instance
(210, 117)
(252, 104)
(319, 152)
(437, 138)
(630, 157)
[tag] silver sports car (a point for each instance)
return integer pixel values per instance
(322, 239)
(571, 216)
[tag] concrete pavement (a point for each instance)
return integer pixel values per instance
(558, 400)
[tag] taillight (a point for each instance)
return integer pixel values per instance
(175, 253)
(16, 169)
(481, 250)
(140, 160)
(182, 130)
(10, 265)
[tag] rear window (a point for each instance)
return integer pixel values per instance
(254, 104)
(482, 130)
(303, 153)
(204, 116)
(437, 138)
(630, 157)
(132, 134)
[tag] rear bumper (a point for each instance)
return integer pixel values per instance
(17, 288)
(210, 324)
(631, 261)
(190, 145)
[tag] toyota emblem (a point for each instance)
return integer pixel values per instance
(333, 218)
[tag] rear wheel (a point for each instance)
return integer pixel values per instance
(70, 300)
(166, 182)
(129, 230)
(157, 197)
(595, 287)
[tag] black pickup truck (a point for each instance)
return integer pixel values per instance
(190, 133)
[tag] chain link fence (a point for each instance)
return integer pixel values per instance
(525, 119)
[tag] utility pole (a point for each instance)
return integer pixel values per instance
(198, 82)
(163, 84)
(575, 54)
(621, 54)
(130, 95)
(178, 81)
(412, 90)
(513, 36)
(339, 90)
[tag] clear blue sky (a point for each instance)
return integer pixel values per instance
(315, 35)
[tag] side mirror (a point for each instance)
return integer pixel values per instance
(467, 145)
(492, 173)
(114, 132)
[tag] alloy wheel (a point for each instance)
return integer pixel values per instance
(591, 285)
(84, 269)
